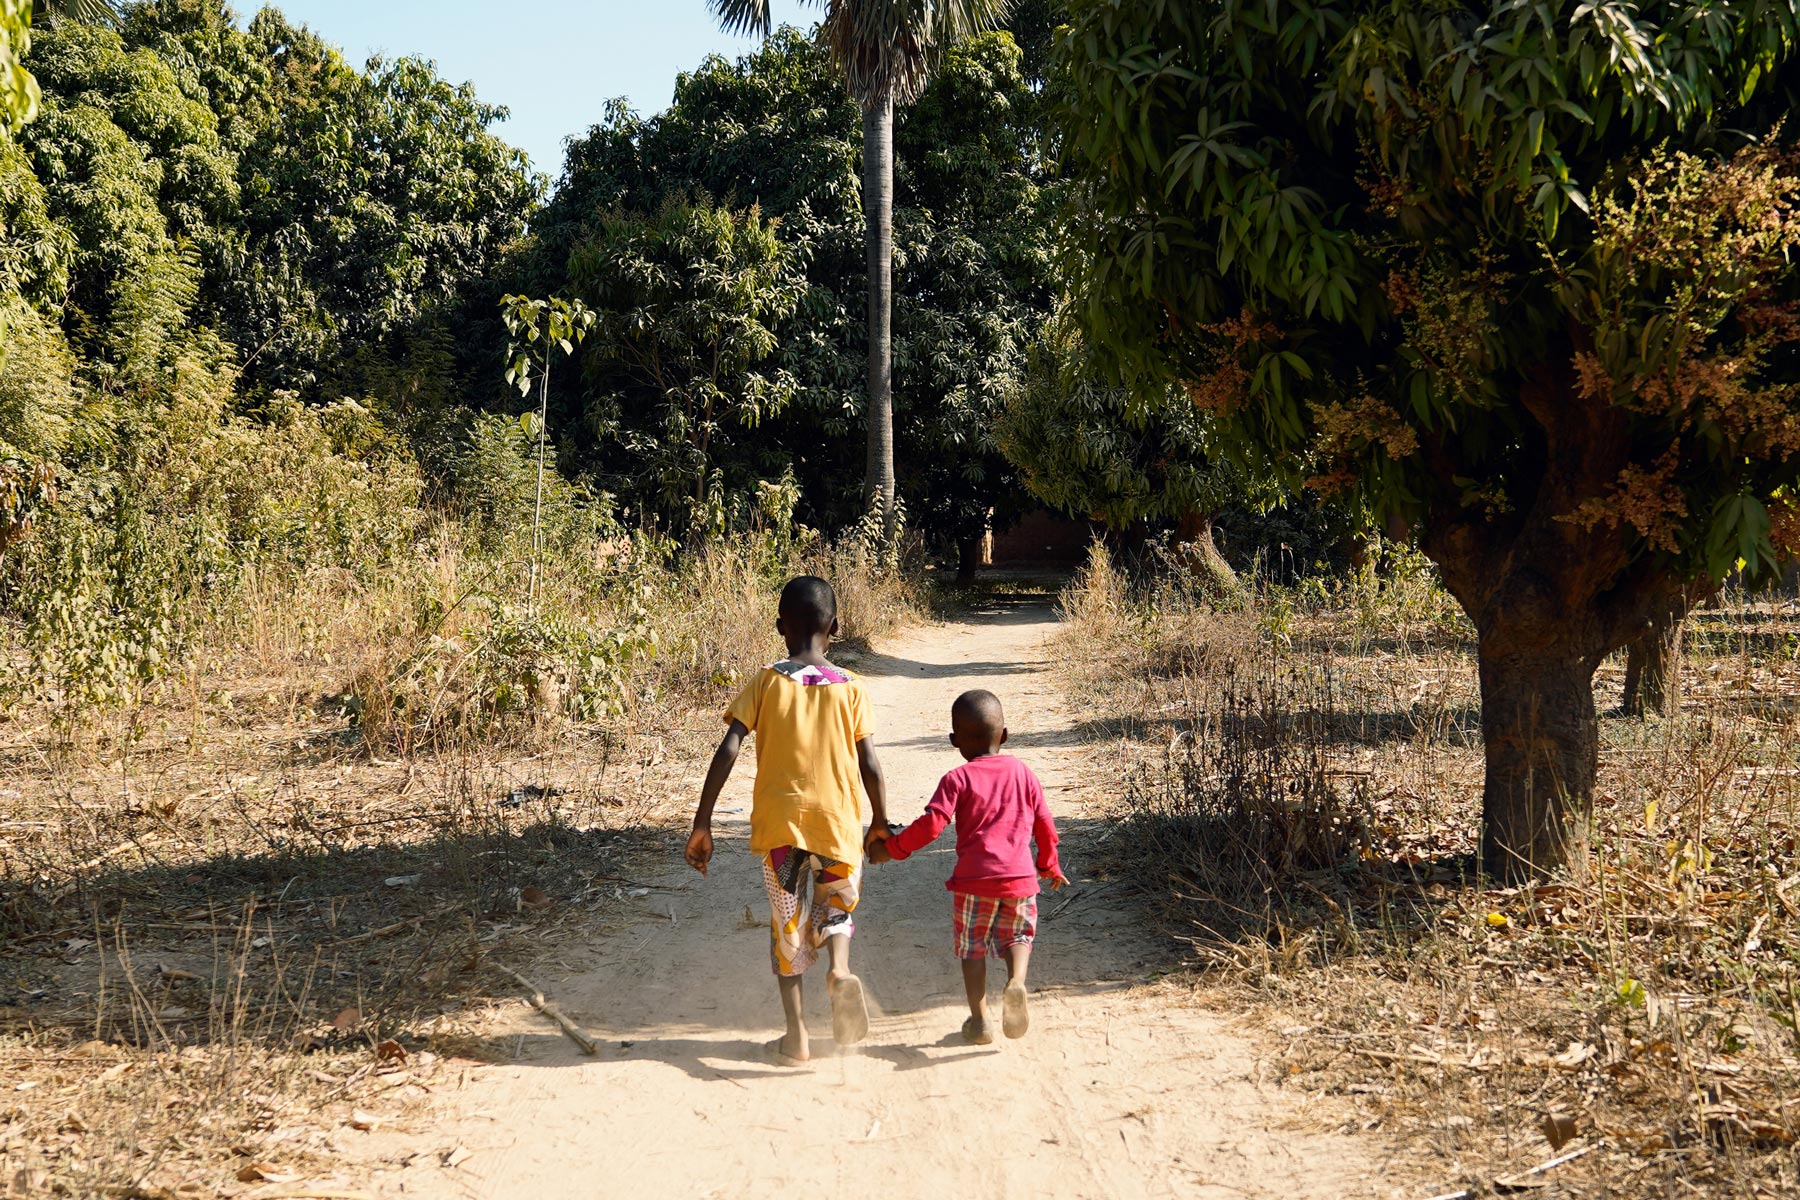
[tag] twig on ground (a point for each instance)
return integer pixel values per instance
(1428, 1060)
(1512, 1183)
(548, 1008)
(397, 926)
(1073, 897)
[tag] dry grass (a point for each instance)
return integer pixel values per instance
(1306, 782)
(241, 917)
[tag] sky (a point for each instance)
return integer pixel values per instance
(554, 63)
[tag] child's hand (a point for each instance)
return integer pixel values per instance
(1056, 880)
(699, 849)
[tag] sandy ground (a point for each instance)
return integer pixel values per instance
(1120, 1089)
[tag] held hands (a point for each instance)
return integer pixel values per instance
(875, 845)
(699, 848)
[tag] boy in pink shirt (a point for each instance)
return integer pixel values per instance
(999, 809)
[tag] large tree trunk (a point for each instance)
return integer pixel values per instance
(969, 557)
(1550, 599)
(1541, 736)
(1195, 547)
(878, 212)
(1653, 661)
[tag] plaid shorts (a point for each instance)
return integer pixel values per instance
(987, 925)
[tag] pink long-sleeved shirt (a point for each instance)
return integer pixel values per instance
(999, 809)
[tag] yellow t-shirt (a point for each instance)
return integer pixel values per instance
(807, 721)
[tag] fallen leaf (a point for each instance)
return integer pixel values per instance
(264, 1173)
(1497, 920)
(362, 1120)
(29, 1182)
(400, 880)
(347, 1020)
(1559, 1129)
(534, 897)
(1574, 1056)
(90, 1049)
(457, 1156)
(390, 1051)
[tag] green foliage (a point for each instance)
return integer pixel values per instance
(155, 528)
(38, 398)
(539, 328)
(973, 272)
(18, 90)
(1092, 449)
(495, 485)
(341, 218)
(1498, 270)
(102, 189)
(687, 302)
(211, 234)
(974, 282)
(35, 251)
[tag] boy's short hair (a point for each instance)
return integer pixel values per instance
(979, 711)
(808, 603)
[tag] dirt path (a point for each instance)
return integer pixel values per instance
(1117, 1091)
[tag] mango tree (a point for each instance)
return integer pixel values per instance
(1515, 271)
(1092, 449)
(687, 302)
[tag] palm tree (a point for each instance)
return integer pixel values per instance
(886, 49)
(89, 12)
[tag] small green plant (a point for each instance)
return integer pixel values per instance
(538, 329)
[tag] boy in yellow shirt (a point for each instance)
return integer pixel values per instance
(811, 721)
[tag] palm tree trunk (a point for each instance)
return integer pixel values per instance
(878, 210)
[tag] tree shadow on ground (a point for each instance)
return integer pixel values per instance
(874, 664)
(692, 1000)
(305, 929)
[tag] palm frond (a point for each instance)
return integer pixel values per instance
(742, 16)
(88, 12)
(887, 48)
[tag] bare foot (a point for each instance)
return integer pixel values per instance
(849, 1010)
(977, 1033)
(1015, 1017)
(790, 1054)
